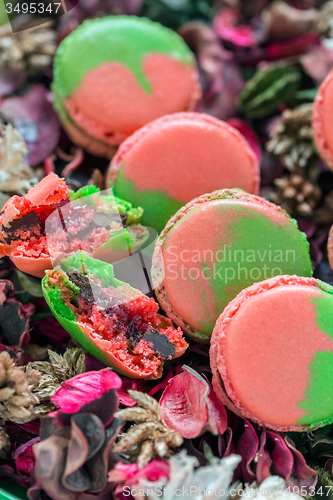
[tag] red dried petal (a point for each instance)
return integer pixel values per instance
(190, 407)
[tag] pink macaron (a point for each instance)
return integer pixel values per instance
(272, 354)
(322, 120)
(177, 158)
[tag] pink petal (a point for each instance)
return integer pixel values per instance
(190, 406)
(183, 404)
(249, 135)
(84, 389)
(227, 27)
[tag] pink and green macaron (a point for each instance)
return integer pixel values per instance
(114, 75)
(272, 354)
(177, 158)
(114, 322)
(217, 245)
(322, 120)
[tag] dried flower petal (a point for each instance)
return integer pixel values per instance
(189, 407)
(89, 392)
(33, 116)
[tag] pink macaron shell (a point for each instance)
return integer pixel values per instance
(197, 139)
(88, 142)
(322, 120)
(33, 266)
(219, 365)
(158, 261)
(42, 192)
(108, 119)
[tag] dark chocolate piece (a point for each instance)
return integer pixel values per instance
(89, 291)
(160, 343)
(28, 222)
(83, 283)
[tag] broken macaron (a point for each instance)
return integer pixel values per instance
(51, 222)
(272, 354)
(217, 245)
(113, 321)
(113, 75)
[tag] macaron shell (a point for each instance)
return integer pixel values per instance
(330, 247)
(116, 73)
(278, 329)
(83, 139)
(178, 157)
(164, 74)
(43, 191)
(97, 347)
(34, 266)
(322, 120)
(196, 257)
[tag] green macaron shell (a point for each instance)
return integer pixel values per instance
(115, 204)
(275, 243)
(263, 249)
(64, 314)
(124, 39)
(318, 401)
(157, 206)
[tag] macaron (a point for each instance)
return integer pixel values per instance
(271, 354)
(217, 245)
(322, 119)
(113, 75)
(51, 222)
(177, 158)
(114, 322)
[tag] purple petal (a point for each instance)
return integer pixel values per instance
(247, 447)
(33, 116)
(225, 443)
(11, 80)
(162, 385)
(24, 446)
(303, 475)
(264, 460)
(282, 457)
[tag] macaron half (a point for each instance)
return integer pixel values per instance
(217, 245)
(177, 158)
(114, 322)
(51, 222)
(322, 119)
(113, 75)
(272, 354)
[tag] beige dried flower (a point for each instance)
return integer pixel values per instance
(56, 371)
(30, 50)
(149, 437)
(16, 177)
(291, 139)
(4, 443)
(16, 399)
